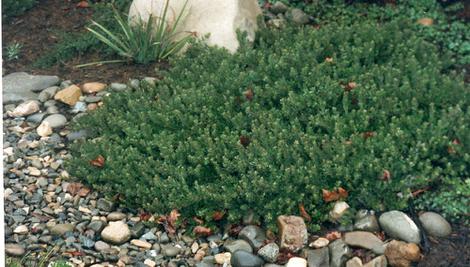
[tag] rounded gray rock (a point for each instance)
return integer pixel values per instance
(270, 252)
(245, 259)
(435, 224)
(398, 225)
(56, 120)
(239, 244)
(14, 250)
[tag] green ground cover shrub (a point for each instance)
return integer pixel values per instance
(271, 126)
(12, 8)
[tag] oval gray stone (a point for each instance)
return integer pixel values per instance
(435, 224)
(398, 225)
(56, 120)
(245, 259)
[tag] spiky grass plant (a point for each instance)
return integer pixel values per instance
(145, 41)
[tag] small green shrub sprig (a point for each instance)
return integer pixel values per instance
(146, 41)
(268, 128)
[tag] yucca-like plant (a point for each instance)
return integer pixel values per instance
(142, 42)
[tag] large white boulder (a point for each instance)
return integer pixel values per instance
(219, 18)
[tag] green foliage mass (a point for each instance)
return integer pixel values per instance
(12, 8)
(179, 144)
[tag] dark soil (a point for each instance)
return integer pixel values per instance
(453, 251)
(36, 31)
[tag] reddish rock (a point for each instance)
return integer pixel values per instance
(402, 254)
(293, 232)
(93, 87)
(69, 95)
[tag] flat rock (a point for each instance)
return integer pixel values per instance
(380, 261)
(21, 229)
(398, 225)
(296, 262)
(44, 129)
(223, 258)
(61, 229)
(245, 259)
(366, 221)
(116, 216)
(56, 120)
(69, 95)
(319, 243)
(20, 86)
(221, 19)
(435, 224)
(365, 240)
(15, 250)
(339, 209)
(354, 262)
(116, 232)
(93, 87)
(253, 235)
(24, 109)
(293, 232)
(339, 253)
(141, 243)
(239, 244)
(269, 252)
(317, 257)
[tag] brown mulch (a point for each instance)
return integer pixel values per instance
(452, 251)
(36, 31)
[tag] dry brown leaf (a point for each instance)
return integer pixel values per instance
(304, 213)
(198, 220)
(342, 193)
(249, 94)
(83, 4)
(386, 176)
(333, 235)
(426, 21)
(245, 141)
(218, 215)
(84, 191)
(202, 231)
(98, 162)
(329, 196)
(74, 188)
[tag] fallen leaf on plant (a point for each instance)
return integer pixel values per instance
(350, 86)
(333, 235)
(426, 21)
(145, 216)
(202, 231)
(83, 4)
(342, 193)
(304, 213)
(245, 141)
(386, 176)
(197, 220)
(249, 94)
(169, 221)
(368, 135)
(419, 191)
(329, 59)
(218, 215)
(74, 188)
(84, 191)
(98, 162)
(329, 196)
